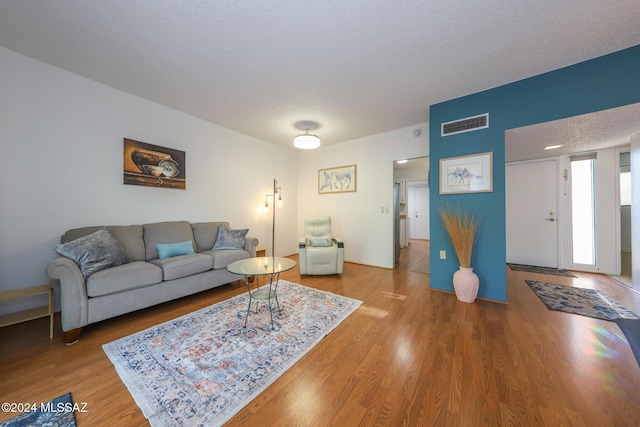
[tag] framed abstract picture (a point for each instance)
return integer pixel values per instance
(467, 174)
(154, 166)
(340, 179)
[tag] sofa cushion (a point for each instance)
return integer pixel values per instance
(230, 239)
(94, 252)
(129, 237)
(222, 258)
(133, 275)
(164, 232)
(168, 250)
(183, 265)
(205, 234)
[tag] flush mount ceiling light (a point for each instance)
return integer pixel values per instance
(306, 141)
(553, 147)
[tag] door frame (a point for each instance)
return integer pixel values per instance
(618, 219)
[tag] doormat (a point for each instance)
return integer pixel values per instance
(202, 368)
(55, 413)
(541, 270)
(585, 302)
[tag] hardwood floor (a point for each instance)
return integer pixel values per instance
(415, 256)
(408, 356)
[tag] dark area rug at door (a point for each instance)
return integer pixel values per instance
(585, 302)
(59, 412)
(541, 270)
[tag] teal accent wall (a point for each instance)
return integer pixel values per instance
(606, 82)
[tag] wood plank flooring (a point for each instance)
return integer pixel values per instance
(408, 356)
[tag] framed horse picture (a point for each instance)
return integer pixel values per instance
(341, 179)
(467, 174)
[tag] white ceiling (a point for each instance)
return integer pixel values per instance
(417, 163)
(357, 67)
(595, 131)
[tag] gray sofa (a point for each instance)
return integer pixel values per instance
(145, 280)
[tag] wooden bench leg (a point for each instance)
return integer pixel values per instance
(72, 336)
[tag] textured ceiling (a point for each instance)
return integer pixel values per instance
(595, 131)
(357, 67)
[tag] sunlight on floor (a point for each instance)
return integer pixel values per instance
(375, 312)
(394, 296)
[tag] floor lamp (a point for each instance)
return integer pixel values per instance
(276, 191)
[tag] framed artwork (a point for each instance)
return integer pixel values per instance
(153, 166)
(467, 174)
(340, 179)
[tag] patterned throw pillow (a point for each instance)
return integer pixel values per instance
(230, 239)
(94, 252)
(318, 242)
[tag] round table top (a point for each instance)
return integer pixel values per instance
(261, 266)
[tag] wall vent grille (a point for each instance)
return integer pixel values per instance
(465, 125)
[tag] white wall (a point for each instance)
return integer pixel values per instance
(625, 228)
(635, 210)
(412, 175)
(62, 144)
(357, 217)
(62, 140)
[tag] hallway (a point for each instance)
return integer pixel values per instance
(415, 256)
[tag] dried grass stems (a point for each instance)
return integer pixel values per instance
(462, 229)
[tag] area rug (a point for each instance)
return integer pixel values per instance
(58, 412)
(202, 368)
(541, 270)
(585, 302)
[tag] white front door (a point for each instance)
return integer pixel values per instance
(532, 213)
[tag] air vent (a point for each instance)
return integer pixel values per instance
(465, 125)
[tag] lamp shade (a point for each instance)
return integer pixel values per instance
(306, 141)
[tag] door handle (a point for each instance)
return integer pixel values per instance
(550, 219)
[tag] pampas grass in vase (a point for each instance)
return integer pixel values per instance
(462, 229)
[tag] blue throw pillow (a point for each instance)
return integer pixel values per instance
(168, 250)
(230, 239)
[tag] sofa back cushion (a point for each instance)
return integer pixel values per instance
(129, 237)
(165, 232)
(206, 234)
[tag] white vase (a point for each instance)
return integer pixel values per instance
(466, 284)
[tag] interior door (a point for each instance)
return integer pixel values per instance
(420, 229)
(531, 213)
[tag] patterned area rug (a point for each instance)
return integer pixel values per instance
(202, 368)
(541, 270)
(58, 412)
(585, 302)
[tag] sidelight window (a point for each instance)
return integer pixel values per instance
(583, 209)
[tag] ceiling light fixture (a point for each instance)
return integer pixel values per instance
(401, 161)
(306, 141)
(552, 147)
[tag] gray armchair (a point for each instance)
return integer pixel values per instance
(320, 252)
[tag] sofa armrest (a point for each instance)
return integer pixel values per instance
(302, 255)
(74, 301)
(340, 244)
(250, 245)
